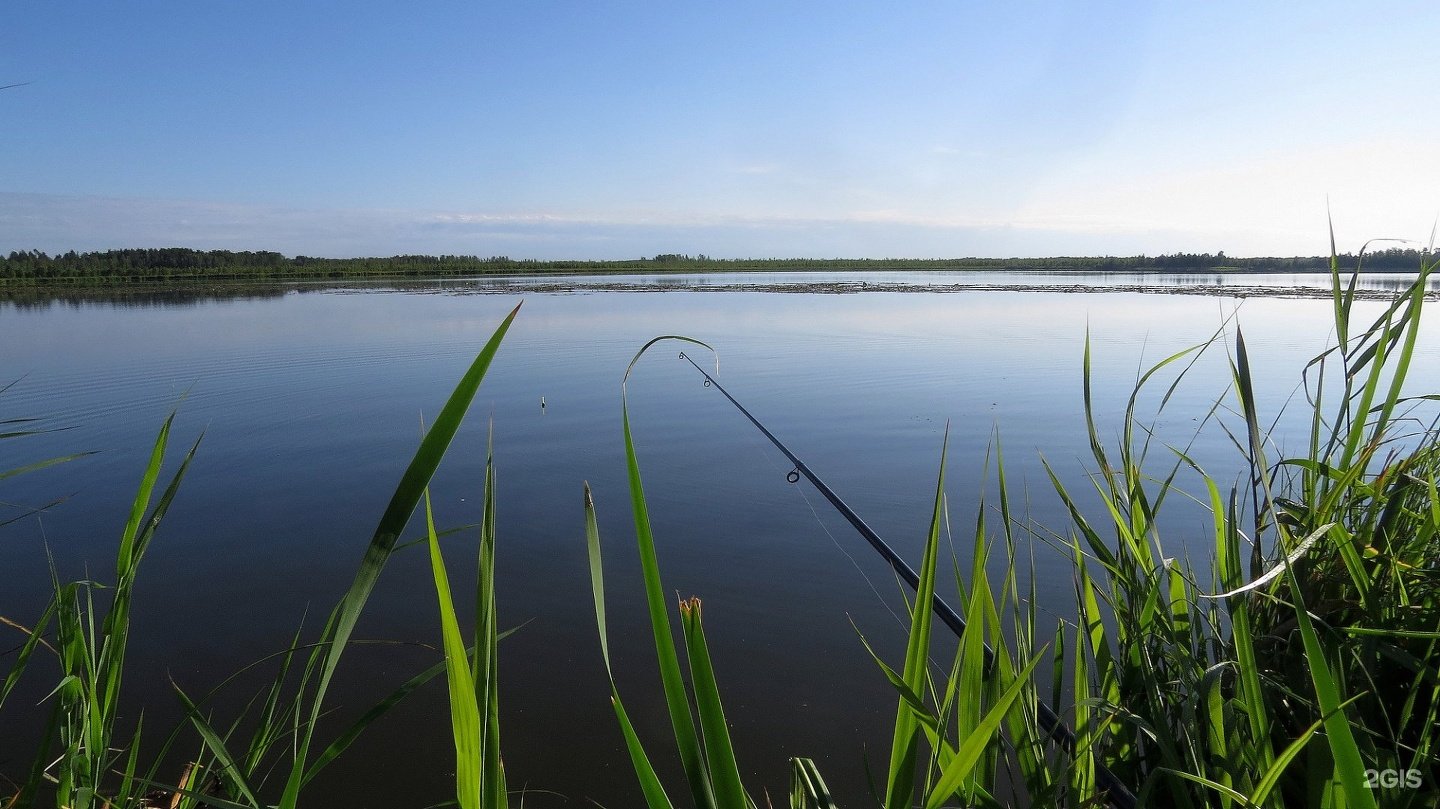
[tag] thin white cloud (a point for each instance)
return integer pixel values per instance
(1117, 221)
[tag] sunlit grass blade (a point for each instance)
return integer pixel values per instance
(1082, 762)
(969, 685)
(464, 713)
(905, 741)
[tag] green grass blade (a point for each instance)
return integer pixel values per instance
(486, 671)
(807, 788)
(597, 576)
(38, 465)
(968, 681)
(117, 620)
(270, 721)
(650, 786)
(1349, 765)
(1242, 640)
(655, 797)
(1411, 323)
(975, 743)
(1271, 778)
(1337, 296)
(1228, 793)
(33, 639)
(905, 742)
(719, 751)
(379, 709)
(682, 722)
(464, 713)
(1244, 386)
(125, 556)
(218, 749)
(392, 522)
(927, 718)
(1082, 763)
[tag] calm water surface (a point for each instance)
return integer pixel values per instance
(310, 402)
(1273, 283)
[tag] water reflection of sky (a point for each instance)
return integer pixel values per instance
(310, 406)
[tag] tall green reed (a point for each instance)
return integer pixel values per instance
(79, 759)
(472, 673)
(308, 700)
(89, 645)
(1219, 681)
(706, 754)
(1266, 678)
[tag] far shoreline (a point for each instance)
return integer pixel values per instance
(180, 268)
(194, 289)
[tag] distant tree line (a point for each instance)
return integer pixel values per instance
(159, 265)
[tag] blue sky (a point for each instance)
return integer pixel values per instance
(623, 129)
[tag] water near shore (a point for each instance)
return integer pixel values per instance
(310, 402)
(1372, 286)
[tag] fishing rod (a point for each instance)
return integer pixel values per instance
(1118, 795)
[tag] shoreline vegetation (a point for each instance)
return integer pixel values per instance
(31, 269)
(1297, 666)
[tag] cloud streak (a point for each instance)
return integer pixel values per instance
(56, 223)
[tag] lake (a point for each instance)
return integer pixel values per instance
(310, 402)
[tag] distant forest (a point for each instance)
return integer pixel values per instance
(176, 264)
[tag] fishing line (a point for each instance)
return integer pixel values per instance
(1116, 792)
(764, 451)
(900, 622)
